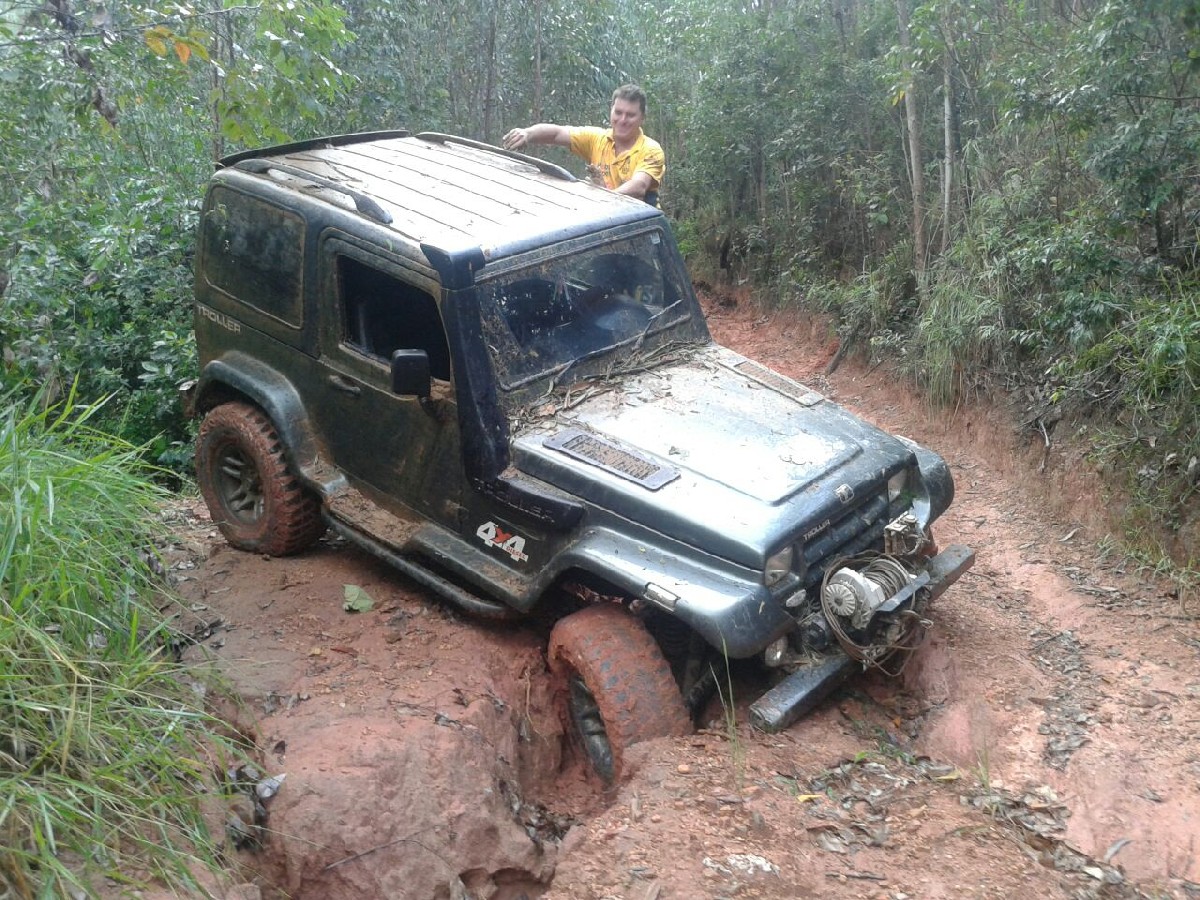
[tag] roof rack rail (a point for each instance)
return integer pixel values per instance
(546, 168)
(336, 140)
(367, 206)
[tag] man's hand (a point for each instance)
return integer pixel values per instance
(516, 139)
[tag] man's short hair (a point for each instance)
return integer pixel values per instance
(631, 92)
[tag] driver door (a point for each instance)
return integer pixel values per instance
(399, 449)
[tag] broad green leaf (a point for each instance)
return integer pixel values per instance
(357, 600)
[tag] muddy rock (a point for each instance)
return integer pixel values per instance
(405, 806)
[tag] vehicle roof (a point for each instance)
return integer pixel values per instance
(443, 191)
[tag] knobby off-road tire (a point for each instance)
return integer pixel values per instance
(616, 685)
(255, 501)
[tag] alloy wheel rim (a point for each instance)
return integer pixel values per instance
(240, 485)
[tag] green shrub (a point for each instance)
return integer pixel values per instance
(100, 297)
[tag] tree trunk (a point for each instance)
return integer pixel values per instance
(222, 46)
(489, 87)
(915, 164)
(948, 161)
(538, 12)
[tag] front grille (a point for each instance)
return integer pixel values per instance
(597, 451)
(855, 530)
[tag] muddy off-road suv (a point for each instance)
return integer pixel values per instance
(497, 378)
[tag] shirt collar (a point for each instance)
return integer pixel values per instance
(636, 141)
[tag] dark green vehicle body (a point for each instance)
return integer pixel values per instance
(498, 378)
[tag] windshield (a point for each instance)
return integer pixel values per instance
(542, 319)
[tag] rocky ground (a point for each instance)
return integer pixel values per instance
(1042, 743)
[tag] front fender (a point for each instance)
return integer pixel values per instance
(936, 481)
(726, 604)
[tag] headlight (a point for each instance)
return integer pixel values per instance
(897, 485)
(779, 566)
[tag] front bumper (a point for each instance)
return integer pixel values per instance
(801, 691)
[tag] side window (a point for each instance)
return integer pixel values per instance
(254, 252)
(382, 314)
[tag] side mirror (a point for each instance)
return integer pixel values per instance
(410, 373)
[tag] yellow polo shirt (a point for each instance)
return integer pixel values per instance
(595, 147)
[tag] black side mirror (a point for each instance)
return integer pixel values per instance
(410, 373)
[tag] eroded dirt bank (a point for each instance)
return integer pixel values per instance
(1042, 743)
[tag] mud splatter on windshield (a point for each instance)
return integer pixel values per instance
(543, 320)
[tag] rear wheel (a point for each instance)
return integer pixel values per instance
(256, 502)
(617, 686)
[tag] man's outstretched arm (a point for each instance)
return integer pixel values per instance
(542, 133)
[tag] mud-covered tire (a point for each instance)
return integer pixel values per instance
(256, 502)
(616, 686)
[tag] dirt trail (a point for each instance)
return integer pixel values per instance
(1041, 744)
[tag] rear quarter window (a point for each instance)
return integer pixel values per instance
(254, 253)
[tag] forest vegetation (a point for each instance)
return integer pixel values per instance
(996, 194)
(1000, 193)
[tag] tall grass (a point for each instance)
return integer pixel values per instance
(959, 330)
(99, 744)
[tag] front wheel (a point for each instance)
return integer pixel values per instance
(618, 687)
(256, 502)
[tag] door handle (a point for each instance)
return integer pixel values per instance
(345, 385)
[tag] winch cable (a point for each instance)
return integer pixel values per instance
(891, 576)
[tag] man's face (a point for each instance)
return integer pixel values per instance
(626, 117)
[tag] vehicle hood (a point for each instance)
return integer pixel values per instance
(715, 450)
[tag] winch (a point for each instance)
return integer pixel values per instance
(870, 603)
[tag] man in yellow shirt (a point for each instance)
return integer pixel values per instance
(621, 158)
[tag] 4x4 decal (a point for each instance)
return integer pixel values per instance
(495, 536)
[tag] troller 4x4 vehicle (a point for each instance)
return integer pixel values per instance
(498, 379)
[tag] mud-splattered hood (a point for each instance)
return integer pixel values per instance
(717, 451)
